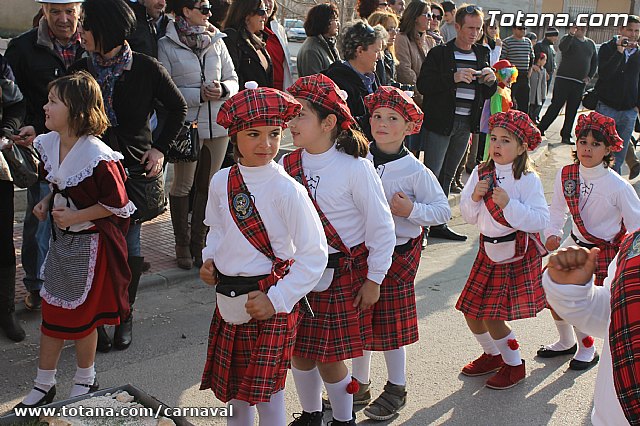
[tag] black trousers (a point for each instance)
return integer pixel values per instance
(564, 92)
(520, 92)
(7, 251)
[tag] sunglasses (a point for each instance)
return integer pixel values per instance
(472, 8)
(427, 15)
(205, 9)
(436, 17)
(393, 30)
(260, 12)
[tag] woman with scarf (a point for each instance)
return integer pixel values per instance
(200, 65)
(131, 84)
(246, 41)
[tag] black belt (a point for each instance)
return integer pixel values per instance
(403, 248)
(582, 243)
(237, 286)
(496, 240)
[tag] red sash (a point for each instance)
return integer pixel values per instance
(571, 191)
(247, 218)
(293, 166)
(522, 242)
(624, 330)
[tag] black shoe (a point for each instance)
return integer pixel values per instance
(444, 232)
(124, 333)
(335, 422)
(567, 141)
(454, 188)
(550, 353)
(146, 266)
(307, 419)
(11, 326)
(576, 365)
(104, 341)
(634, 172)
(33, 301)
(92, 387)
(46, 399)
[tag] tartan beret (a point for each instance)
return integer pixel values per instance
(518, 123)
(255, 107)
(603, 124)
(320, 90)
(397, 100)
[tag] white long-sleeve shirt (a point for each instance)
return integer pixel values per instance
(350, 194)
(430, 205)
(292, 224)
(606, 199)
(526, 211)
(588, 307)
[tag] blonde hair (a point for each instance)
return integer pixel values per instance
(382, 18)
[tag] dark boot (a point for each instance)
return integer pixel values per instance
(8, 321)
(179, 207)
(198, 228)
(104, 341)
(124, 332)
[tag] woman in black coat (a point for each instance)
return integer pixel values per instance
(246, 42)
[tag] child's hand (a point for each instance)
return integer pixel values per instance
(500, 197)
(573, 265)
(368, 295)
(552, 243)
(40, 210)
(401, 205)
(481, 189)
(64, 217)
(259, 306)
(208, 272)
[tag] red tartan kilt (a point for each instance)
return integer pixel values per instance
(395, 319)
(606, 255)
(99, 308)
(338, 331)
(249, 361)
(504, 292)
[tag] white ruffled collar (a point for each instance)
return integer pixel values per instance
(79, 163)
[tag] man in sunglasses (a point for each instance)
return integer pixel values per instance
(518, 50)
(151, 25)
(448, 28)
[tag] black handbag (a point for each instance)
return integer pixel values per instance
(146, 193)
(186, 147)
(23, 164)
(590, 99)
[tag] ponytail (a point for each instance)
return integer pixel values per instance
(352, 142)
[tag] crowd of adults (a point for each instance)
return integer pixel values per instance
(160, 63)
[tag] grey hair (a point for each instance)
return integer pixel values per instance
(359, 33)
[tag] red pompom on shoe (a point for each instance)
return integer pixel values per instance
(513, 344)
(353, 387)
(587, 341)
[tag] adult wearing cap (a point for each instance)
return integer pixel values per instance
(579, 64)
(123, 76)
(38, 57)
(454, 95)
(546, 46)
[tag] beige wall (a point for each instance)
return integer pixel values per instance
(614, 6)
(16, 15)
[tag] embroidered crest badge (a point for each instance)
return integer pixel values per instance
(242, 206)
(492, 183)
(570, 187)
(634, 250)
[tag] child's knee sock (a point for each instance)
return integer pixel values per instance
(243, 413)
(309, 388)
(45, 380)
(84, 376)
(274, 411)
(361, 367)
(566, 340)
(586, 348)
(341, 400)
(396, 361)
(510, 349)
(488, 344)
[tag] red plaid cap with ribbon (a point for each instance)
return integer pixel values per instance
(397, 100)
(603, 124)
(322, 91)
(518, 123)
(262, 106)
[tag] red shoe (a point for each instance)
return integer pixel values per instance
(507, 377)
(484, 365)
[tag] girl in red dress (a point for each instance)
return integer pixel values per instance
(83, 288)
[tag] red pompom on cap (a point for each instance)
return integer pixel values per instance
(513, 344)
(353, 387)
(587, 341)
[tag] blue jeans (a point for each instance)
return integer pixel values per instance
(416, 141)
(35, 238)
(133, 239)
(625, 121)
(442, 154)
